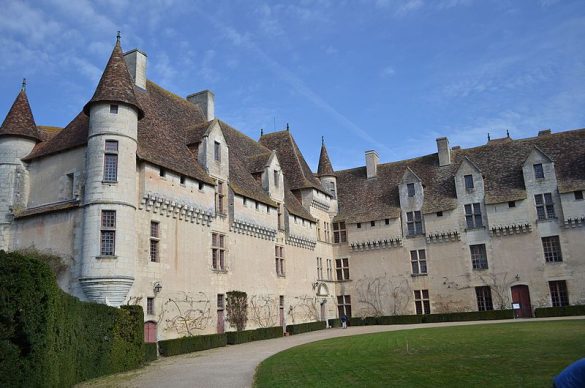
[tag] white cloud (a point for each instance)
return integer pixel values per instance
(387, 72)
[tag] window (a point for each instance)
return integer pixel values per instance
(220, 301)
(327, 231)
(410, 189)
(220, 198)
(182, 179)
(414, 223)
(279, 259)
(422, 302)
(111, 161)
(339, 232)
(545, 209)
(439, 214)
(387, 221)
(332, 188)
(468, 182)
(478, 256)
(200, 186)
(344, 305)
(329, 269)
(108, 233)
(552, 249)
(114, 109)
(473, 216)
(578, 195)
(257, 206)
(319, 268)
(218, 251)
(512, 204)
(154, 241)
(418, 259)
(217, 151)
(342, 269)
(558, 293)
(372, 223)
(359, 225)
(276, 178)
(150, 306)
(538, 171)
(484, 298)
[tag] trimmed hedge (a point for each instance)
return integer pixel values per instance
(432, 318)
(543, 312)
(240, 337)
(334, 322)
(150, 352)
(49, 338)
(305, 327)
(191, 344)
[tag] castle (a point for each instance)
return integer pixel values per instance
(151, 199)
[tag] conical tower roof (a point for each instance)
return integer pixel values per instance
(116, 84)
(325, 167)
(20, 121)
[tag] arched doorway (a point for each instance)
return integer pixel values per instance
(150, 335)
(521, 296)
(323, 293)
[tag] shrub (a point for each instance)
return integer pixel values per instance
(240, 337)
(334, 322)
(469, 316)
(305, 327)
(237, 309)
(150, 352)
(191, 344)
(565, 311)
(49, 338)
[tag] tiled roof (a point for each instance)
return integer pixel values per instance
(325, 167)
(116, 84)
(501, 161)
(20, 121)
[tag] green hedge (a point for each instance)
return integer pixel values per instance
(565, 311)
(49, 338)
(305, 327)
(191, 344)
(432, 318)
(150, 352)
(334, 322)
(239, 337)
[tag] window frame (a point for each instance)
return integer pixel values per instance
(110, 171)
(418, 262)
(108, 228)
(422, 302)
(154, 249)
(468, 182)
(410, 190)
(545, 206)
(483, 295)
(329, 269)
(473, 216)
(479, 259)
(220, 195)
(578, 195)
(342, 269)
(279, 260)
(344, 305)
(218, 252)
(339, 232)
(559, 293)
(414, 223)
(551, 247)
(114, 109)
(538, 169)
(217, 151)
(320, 268)
(150, 306)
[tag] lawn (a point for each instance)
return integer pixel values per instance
(526, 354)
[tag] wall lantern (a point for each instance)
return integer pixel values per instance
(157, 287)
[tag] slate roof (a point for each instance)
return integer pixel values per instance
(501, 161)
(20, 121)
(325, 167)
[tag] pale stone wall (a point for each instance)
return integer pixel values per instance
(274, 189)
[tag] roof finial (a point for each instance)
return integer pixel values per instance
(23, 87)
(507, 133)
(489, 138)
(118, 37)
(322, 140)
(287, 128)
(261, 131)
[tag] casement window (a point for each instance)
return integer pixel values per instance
(545, 208)
(279, 260)
(111, 161)
(344, 305)
(552, 249)
(422, 302)
(220, 198)
(484, 298)
(329, 269)
(578, 195)
(342, 269)
(478, 256)
(339, 232)
(327, 231)
(220, 302)
(218, 251)
(538, 171)
(414, 223)
(473, 216)
(468, 182)
(332, 189)
(319, 268)
(418, 260)
(276, 178)
(114, 109)
(558, 293)
(410, 189)
(150, 306)
(217, 151)
(154, 241)
(108, 233)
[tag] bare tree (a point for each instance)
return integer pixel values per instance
(263, 310)
(499, 284)
(186, 313)
(304, 308)
(134, 300)
(447, 304)
(383, 294)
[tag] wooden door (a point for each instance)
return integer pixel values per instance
(323, 317)
(220, 322)
(149, 332)
(521, 295)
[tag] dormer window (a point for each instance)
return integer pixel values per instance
(538, 171)
(512, 204)
(217, 151)
(468, 182)
(114, 109)
(579, 195)
(276, 178)
(410, 189)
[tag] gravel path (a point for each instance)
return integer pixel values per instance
(234, 366)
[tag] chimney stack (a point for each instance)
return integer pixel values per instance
(372, 161)
(136, 62)
(206, 101)
(444, 151)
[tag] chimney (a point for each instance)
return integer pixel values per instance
(206, 101)
(136, 62)
(372, 161)
(544, 132)
(444, 151)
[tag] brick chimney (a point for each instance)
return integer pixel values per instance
(372, 161)
(206, 101)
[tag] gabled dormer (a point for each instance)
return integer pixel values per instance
(213, 153)
(469, 181)
(538, 169)
(273, 179)
(411, 191)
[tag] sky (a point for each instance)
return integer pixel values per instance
(388, 75)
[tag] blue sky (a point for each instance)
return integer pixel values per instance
(388, 75)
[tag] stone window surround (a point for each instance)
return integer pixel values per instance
(418, 261)
(279, 260)
(558, 293)
(110, 161)
(479, 259)
(551, 246)
(218, 252)
(154, 241)
(483, 295)
(108, 233)
(342, 269)
(422, 302)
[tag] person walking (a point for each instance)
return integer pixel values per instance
(344, 321)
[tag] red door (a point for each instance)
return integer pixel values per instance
(521, 295)
(149, 332)
(220, 322)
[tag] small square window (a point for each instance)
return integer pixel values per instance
(359, 225)
(440, 214)
(387, 221)
(182, 180)
(578, 195)
(468, 182)
(162, 172)
(512, 204)
(372, 223)
(114, 109)
(200, 186)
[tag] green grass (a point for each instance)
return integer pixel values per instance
(526, 354)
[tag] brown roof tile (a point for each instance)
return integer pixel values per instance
(325, 167)
(20, 121)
